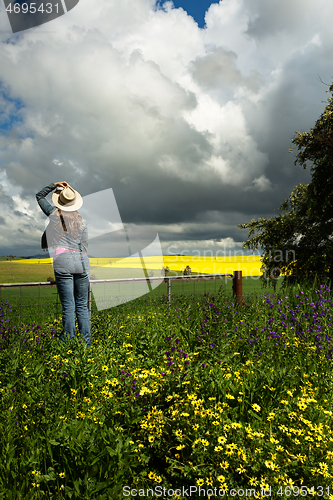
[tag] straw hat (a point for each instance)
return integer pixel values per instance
(67, 199)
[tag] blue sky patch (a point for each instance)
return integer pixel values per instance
(10, 111)
(195, 8)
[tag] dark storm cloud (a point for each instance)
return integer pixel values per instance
(191, 128)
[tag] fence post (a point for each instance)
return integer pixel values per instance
(169, 292)
(237, 286)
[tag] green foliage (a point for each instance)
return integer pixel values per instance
(206, 393)
(298, 242)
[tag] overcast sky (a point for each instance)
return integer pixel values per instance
(188, 120)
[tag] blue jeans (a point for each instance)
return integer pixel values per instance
(72, 273)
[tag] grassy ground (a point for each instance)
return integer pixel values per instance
(41, 304)
(205, 395)
(14, 272)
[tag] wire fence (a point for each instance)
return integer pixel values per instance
(39, 302)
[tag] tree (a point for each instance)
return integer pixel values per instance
(299, 242)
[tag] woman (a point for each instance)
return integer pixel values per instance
(67, 234)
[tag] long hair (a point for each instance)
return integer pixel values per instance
(70, 223)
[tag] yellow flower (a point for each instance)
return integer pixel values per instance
(204, 442)
(221, 479)
(195, 427)
(224, 464)
(200, 482)
(256, 407)
(323, 467)
(271, 416)
(289, 482)
(158, 479)
(62, 474)
(105, 368)
(151, 439)
(229, 449)
(221, 439)
(229, 396)
(151, 475)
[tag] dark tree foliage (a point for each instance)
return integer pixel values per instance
(298, 242)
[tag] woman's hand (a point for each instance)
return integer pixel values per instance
(61, 184)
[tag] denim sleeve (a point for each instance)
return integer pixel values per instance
(84, 236)
(42, 202)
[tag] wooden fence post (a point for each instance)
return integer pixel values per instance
(169, 292)
(237, 287)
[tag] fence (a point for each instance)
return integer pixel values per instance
(182, 280)
(39, 301)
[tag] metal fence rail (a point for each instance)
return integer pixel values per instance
(47, 305)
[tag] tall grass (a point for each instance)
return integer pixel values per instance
(207, 394)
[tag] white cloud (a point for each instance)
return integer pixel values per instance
(260, 184)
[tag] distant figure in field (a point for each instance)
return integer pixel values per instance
(67, 233)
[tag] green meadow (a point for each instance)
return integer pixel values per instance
(202, 396)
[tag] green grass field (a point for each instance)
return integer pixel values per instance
(13, 272)
(205, 394)
(41, 303)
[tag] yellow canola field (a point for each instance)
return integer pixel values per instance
(249, 264)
